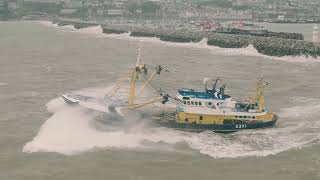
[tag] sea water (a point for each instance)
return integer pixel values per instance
(43, 138)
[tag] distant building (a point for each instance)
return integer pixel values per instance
(247, 3)
(115, 12)
(73, 4)
(68, 11)
(3, 6)
(70, 7)
(315, 34)
(120, 3)
(15, 4)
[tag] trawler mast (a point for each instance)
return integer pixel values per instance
(137, 73)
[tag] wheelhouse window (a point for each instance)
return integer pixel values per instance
(240, 116)
(192, 103)
(200, 104)
(200, 118)
(196, 103)
(253, 117)
(184, 102)
(188, 102)
(236, 116)
(209, 103)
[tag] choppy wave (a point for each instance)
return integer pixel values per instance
(72, 130)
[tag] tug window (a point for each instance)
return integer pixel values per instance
(188, 102)
(184, 102)
(200, 104)
(236, 116)
(240, 116)
(200, 118)
(244, 116)
(253, 117)
(192, 103)
(196, 103)
(209, 103)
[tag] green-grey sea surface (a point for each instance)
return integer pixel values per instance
(42, 138)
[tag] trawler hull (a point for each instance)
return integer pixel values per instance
(225, 128)
(218, 128)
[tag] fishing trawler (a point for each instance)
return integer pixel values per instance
(212, 109)
(196, 111)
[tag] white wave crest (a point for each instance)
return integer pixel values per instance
(92, 30)
(69, 27)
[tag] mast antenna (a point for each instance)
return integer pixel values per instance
(139, 54)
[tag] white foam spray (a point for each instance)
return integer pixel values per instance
(69, 27)
(91, 30)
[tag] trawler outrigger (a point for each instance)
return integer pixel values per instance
(129, 91)
(208, 109)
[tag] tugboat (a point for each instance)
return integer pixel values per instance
(213, 110)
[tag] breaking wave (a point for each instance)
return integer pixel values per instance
(69, 27)
(72, 130)
(92, 30)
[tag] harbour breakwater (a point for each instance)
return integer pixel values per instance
(271, 46)
(263, 33)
